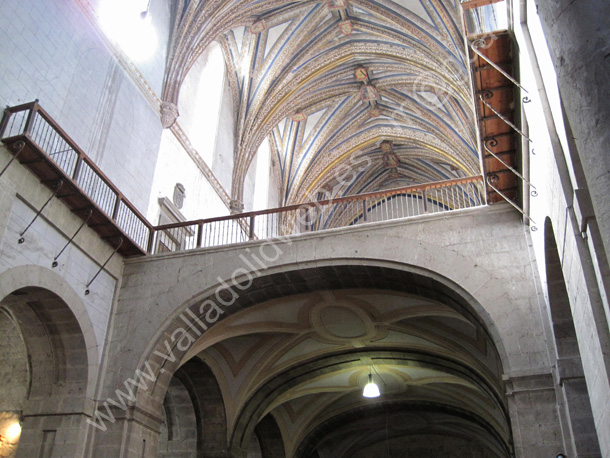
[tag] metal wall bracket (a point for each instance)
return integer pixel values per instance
(513, 80)
(533, 227)
(493, 142)
(515, 128)
(119, 243)
(17, 147)
(89, 213)
(58, 186)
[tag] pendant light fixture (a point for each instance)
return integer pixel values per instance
(371, 390)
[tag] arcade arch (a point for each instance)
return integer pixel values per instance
(302, 354)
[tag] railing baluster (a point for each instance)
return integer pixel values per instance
(430, 198)
(453, 206)
(30, 119)
(252, 221)
(63, 154)
(4, 124)
(199, 234)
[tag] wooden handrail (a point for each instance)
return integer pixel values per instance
(35, 107)
(246, 220)
(339, 200)
(30, 122)
(22, 107)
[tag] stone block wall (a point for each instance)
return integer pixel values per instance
(22, 195)
(65, 330)
(52, 53)
(483, 252)
(563, 208)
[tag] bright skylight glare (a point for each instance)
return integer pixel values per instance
(123, 23)
(487, 18)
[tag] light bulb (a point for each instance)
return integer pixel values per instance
(371, 390)
(13, 432)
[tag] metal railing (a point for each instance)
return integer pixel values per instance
(429, 198)
(31, 121)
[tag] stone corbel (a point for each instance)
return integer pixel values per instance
(169, 114)
(236, 206)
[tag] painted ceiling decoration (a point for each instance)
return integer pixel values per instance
(328, 82)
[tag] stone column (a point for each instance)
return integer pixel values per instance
(579, 41)
(270, 438)
(131, 433)
(534, 416)
(572, 387)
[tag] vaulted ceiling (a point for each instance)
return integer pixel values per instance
(355, 96)
(304, 359)
(298, 347)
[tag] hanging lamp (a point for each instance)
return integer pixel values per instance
(371, 390)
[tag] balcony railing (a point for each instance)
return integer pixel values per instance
(41, 145)
(438, 197)
(54, 157)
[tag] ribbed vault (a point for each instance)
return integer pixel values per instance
(376, 87)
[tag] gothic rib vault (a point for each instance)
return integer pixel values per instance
(329, 82)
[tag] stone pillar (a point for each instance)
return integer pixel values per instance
(52, 434)
(270, 438)
(579, 41)
(572, 387)
(237, 452)
(534, 416)
(131, 433)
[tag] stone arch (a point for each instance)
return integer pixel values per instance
(254, 448)
(179, 431)
(577, 416)
(171, 340)
(446, 289)
(15, 376)
(207, 399)
(194, 414)
(394, 414)
(53, 407)
(270, 438)
(259, 403)
(40, 277)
